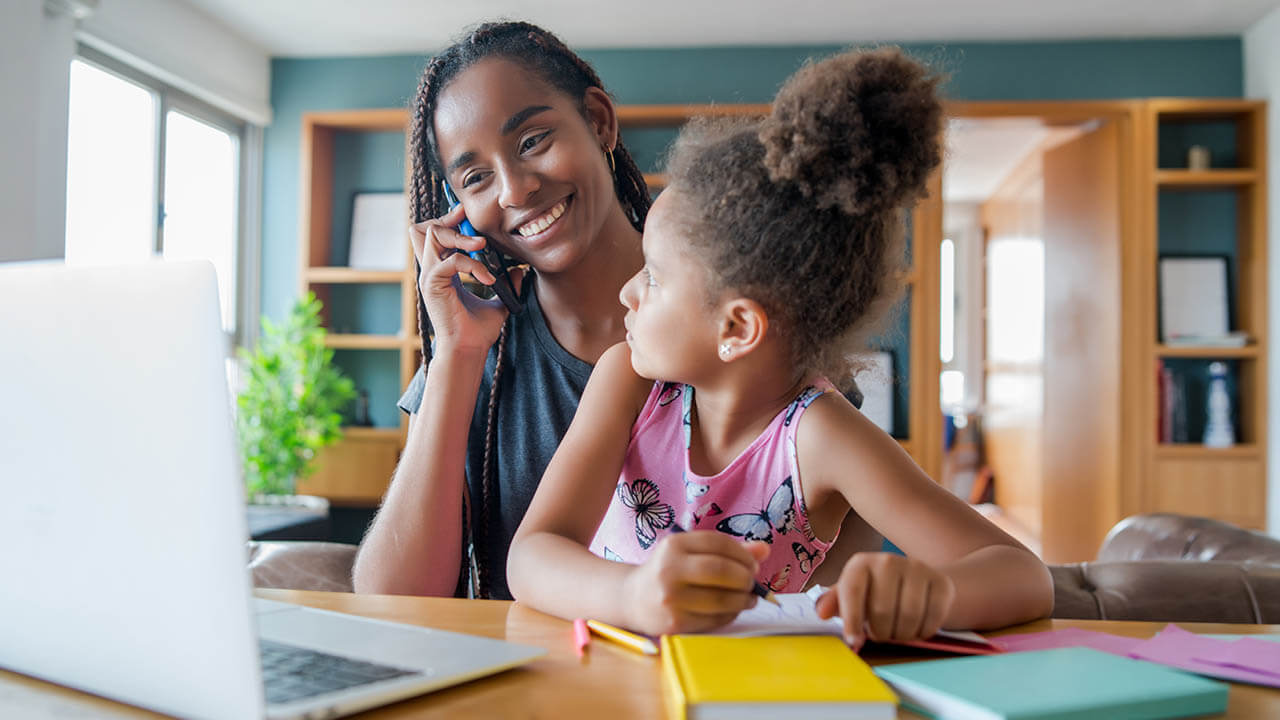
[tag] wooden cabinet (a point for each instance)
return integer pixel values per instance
(1215, 211)
(343, 152)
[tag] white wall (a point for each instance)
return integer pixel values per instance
(35, 48)
(1262, 81)
(184, 47)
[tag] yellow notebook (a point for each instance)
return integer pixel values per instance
(804, 676)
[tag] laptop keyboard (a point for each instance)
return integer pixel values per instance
(293, 673)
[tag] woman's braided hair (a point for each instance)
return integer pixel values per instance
(543, 54)
(803, 211)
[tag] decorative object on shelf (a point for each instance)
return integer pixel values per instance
(290, 405)
(1193, 297)
(361, 418)
(1218, 431)
(1198, 157)
(379, 226)
(875, 382)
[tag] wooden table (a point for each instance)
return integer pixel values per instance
(611, 682)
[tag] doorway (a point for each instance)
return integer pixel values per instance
(1030, 299)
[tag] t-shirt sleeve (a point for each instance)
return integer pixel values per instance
(411, 400)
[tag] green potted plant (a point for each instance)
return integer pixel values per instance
(291, 402)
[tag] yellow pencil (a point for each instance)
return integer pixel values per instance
(627, 639)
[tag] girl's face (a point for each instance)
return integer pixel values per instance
(671, 327)
(529, 169)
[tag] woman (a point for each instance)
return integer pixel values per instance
(524, 133)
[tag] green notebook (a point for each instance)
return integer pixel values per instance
(1061, 684)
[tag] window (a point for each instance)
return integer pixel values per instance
(151, 171)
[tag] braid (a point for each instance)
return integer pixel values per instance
(486, 494)
(547, 57)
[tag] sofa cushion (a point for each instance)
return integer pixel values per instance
(294, 565)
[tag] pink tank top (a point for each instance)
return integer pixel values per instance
(757, 497)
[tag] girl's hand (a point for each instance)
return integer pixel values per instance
(692, 582)
(890, 597)
(460, 319)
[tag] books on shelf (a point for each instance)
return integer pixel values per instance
(1171, 404)
(1071, 682)
(776, 676)
(1228, 340)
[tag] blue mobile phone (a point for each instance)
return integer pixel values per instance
(490, 257)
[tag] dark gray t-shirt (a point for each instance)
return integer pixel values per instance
(540, 388)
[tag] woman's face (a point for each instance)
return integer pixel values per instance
(529, 169)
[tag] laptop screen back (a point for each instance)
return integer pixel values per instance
(121, 505)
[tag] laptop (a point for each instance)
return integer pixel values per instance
(122, 521)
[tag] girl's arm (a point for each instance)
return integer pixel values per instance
(960, 570)
(691, 581)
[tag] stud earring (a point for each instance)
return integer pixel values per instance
(724, 350)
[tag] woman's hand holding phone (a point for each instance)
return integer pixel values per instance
(461, 320)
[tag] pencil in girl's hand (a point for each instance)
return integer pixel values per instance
(756, 588)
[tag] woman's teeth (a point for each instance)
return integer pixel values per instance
(536, 226)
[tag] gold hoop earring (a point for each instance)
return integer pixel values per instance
(613, 168)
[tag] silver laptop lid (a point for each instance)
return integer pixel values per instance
(121, 504)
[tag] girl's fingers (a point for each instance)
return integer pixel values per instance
(882, 600)
(699, 600)
(703, 542)
(913, 606)
(851, 592)
(941, 595)
(717, 571)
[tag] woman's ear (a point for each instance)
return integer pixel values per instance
(602, 115)
(743, 326)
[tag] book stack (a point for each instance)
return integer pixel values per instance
(781, 676)
(1063, 683)
(1171, 394)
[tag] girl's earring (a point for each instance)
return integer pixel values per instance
(724, 351)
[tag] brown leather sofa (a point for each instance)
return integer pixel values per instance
(1157, 567)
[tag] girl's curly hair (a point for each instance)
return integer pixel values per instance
(803, 211)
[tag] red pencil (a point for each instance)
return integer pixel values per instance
(581, 636)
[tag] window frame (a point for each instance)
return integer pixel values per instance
(247, 140)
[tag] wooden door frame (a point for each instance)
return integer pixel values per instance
(1137, 281)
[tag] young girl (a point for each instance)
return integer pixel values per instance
(774, 249)
(522, 130)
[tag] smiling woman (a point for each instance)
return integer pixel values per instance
(523, 131)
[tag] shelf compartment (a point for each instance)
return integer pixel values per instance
(1196, 451)
(1248, 352)
(346, 275)
(1193, 179)
(1230, 487)
(352, 341)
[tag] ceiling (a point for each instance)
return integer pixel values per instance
(980, 154)
(309, 28)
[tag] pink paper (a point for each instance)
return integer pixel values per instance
(1247, 653)
(1069, 637)
(1178, 648)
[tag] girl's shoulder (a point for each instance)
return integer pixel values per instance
(615, 373)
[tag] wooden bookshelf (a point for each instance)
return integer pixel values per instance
(1225, 483)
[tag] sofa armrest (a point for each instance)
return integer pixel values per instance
(1166, 536)
(1168, 591)
(299, 565)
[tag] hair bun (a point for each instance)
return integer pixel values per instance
(860, 131)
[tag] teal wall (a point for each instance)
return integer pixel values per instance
(1193, 67)
(1005, 71)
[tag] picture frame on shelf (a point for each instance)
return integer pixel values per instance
(379, 222)
(1195, 299)
(876, 382)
